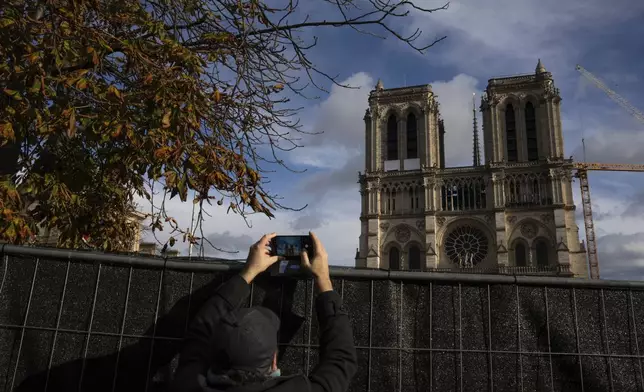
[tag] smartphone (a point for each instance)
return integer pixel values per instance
(289, 247)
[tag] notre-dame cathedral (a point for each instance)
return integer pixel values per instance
(514, 212)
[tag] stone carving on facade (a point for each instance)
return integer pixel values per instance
(489, 98)
(495, 98)
(566, 174)
(489, 218)
(430, 250)
(552, 174)
(384, 226)
(432, 105)
(402, 99)
(484, 100)
(501, 248)
(420, 224)
(546, 218)
(403, 234)
(498, 177)
(560, 174)
(372, 252)
(529, 230)
(512, 219)
(550, 91)
(440, 220)
(375, 111)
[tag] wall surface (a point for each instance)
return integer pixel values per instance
(73, 321)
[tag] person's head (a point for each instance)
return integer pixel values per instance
(247, 342)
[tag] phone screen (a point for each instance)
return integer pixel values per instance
(290, 247)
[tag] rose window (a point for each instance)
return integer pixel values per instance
(466, 246)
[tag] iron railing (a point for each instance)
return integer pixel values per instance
(554, 270)
(81, 321)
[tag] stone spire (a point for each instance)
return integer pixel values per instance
(540, 68)
(379, 85)
(476, 152)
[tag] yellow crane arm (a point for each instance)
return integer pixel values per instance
(608, 166)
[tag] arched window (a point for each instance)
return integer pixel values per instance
(414, 258)
(394, 259)
(531, 132)
(511, 133)
(392, 138)
(520, 255)
(412, 137)
(541, 253)
(412, 206)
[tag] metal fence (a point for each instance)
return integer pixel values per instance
(550, 270)
(72, 321)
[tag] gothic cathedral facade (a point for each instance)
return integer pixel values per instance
(514, 212)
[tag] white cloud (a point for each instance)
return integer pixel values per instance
(618, 228)
(621, 256)
(336, 125)
(613, 146)
(520, 30)
(331, 156)
(455, 98)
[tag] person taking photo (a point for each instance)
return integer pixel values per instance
(231, 348)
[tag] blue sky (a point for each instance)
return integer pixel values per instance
(503, 37)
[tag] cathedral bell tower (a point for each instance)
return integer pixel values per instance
(531, 179)
(404, 137)
(522, 118)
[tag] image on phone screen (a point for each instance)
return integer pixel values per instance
(290, 246)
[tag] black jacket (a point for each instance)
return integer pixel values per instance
(338, 361)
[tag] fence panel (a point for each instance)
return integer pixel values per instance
(74, 321)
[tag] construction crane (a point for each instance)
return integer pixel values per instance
(583, 168)
(611, 94)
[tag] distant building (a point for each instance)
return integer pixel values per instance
(152, 248)
(513, 212)
(47, 237)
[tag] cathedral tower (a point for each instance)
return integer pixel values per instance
(514, 213)
(403, 140)
(532, 180)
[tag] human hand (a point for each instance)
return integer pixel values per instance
(318, 265)
(259, 258)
